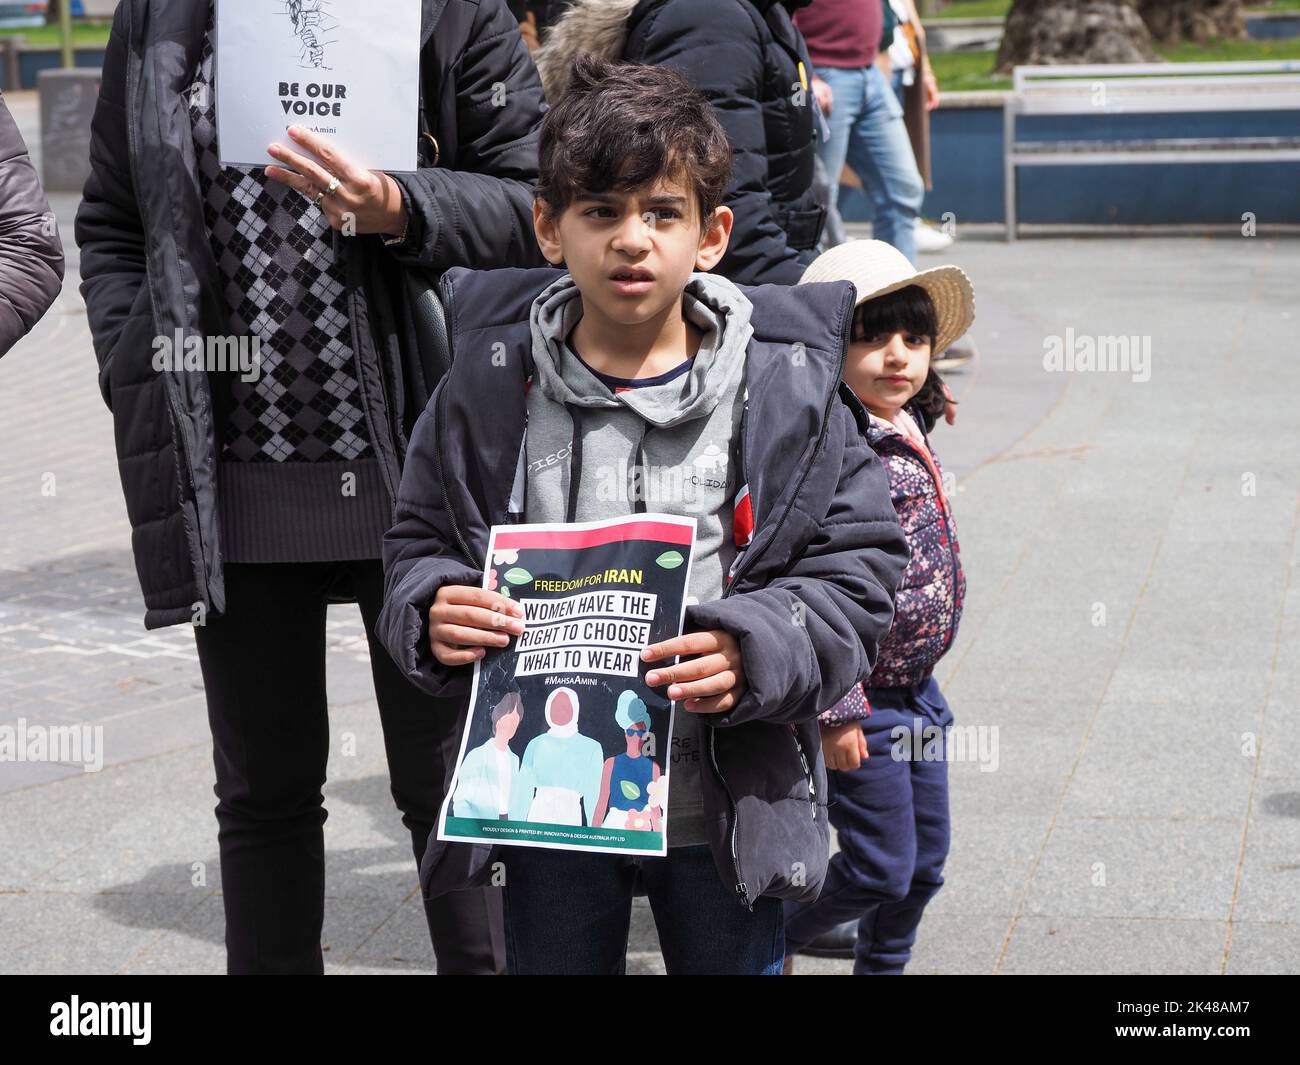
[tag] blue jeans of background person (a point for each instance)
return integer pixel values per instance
(867, 132)
(568, 912)
(891, 815)
(896, 81)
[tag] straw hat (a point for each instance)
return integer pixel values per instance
(877, 268)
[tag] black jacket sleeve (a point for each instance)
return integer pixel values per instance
(31, 254)
(475, 209)
(108, 228)
(812, 633)
(419, 558)
(717, 46)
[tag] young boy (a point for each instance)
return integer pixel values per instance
(646, 384)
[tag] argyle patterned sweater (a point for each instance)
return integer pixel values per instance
(298, 478)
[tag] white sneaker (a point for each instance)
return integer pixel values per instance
(930, 239)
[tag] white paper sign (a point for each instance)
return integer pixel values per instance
(346, 69)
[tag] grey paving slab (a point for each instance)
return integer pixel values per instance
(990, 861)
(1120, 946)
(1165, 636)
(193, 945)
(49, 933)
(989, 671)
(956, 943)
(1151, 761)
(1270, 874)
(14, 775)
(351, 923)
(1187, 686)
(945, 944)
(1279, 748)
(1160, 869)
(402, 939)
(1021, 770)
(1264, 949)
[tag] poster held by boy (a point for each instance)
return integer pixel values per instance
(564, 737)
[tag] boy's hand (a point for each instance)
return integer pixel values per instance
(844, 746)
(710, 684)
(464, 621)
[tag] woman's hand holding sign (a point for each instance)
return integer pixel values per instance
(463, 621)
(711, 683)
(370, 200)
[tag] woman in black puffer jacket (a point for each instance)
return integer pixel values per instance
(748, 58)
(257, 498)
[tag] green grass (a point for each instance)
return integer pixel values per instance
(963, 71)
(1226, 51)
(83, 36)
(976, 9)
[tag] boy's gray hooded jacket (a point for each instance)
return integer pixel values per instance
(809, 601)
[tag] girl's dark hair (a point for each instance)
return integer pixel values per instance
(622, 126)
(907, 310)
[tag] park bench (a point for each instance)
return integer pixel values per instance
(1146, 88)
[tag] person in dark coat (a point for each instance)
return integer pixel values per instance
(260, 494)
(31, 254)
(751, 63)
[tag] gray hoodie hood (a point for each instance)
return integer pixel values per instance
(711, 302)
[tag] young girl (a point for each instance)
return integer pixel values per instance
(889, 788)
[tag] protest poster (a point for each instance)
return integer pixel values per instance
(346, 69)
(564, 743)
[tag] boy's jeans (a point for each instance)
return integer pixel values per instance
(867, 132)
(568, 912)
(891, 815)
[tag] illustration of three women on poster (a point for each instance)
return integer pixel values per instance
(563, 774)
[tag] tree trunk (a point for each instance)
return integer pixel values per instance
(1074, 31)
(1171, 21)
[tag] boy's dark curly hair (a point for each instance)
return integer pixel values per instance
(909, 310)
(621, 126)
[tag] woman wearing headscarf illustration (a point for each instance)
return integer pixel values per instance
(629, 785)
(487, 775)
(560, 770)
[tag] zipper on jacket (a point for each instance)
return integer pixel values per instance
(803, 760)
(741, 889)
(945, 514)
(392, 478)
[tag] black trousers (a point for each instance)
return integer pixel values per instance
(263, 668)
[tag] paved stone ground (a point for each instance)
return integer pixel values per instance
(1131, 634)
